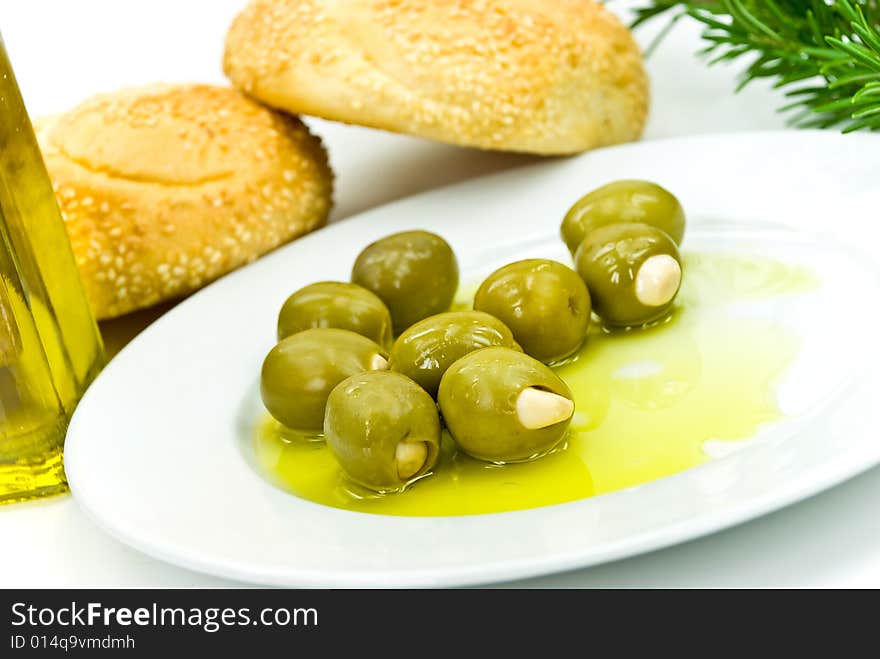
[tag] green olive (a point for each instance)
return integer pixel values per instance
(301, 370)
(502, 406)
(415, 273)
(383, 429)
(428, 348)
(633, 272)
(336, 304)
(544, 303)
(624, 201)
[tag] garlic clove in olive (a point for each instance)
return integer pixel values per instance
(658, 280)
(299, 373)
(410, 457)
(366, 417)
(378, 363)
(539, 408)
(500, 405)
(633, 272)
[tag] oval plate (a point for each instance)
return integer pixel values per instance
(154, 451)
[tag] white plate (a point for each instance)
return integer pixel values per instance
(154, 452)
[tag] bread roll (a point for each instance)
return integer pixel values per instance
(539, 76)
(165, 188)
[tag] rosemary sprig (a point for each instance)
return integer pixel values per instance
(825, 53)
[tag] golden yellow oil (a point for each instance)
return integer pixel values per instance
(35, 233)
(646, 401)
(52, 349)
(32, 418)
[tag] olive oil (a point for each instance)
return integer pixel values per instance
(646, 402)
(33, 418)
(51, 349)
(44, 259)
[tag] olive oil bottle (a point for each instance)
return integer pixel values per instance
(50, 348)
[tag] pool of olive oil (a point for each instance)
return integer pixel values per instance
(646, 402)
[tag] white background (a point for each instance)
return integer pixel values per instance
(64, 51)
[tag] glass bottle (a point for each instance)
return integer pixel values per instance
(50, 348)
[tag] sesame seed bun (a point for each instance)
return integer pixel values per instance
(538, 76)
(165, 188)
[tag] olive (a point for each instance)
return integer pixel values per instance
(632, 270)
(624, 201)
(415, 273)
(500, 405)
(383, 429)
(428, 348)
(544, 303)
(336, 304)
(301, 370)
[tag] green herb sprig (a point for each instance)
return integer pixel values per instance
(825, 53)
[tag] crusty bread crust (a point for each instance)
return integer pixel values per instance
(539, 76)
(165, 188)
